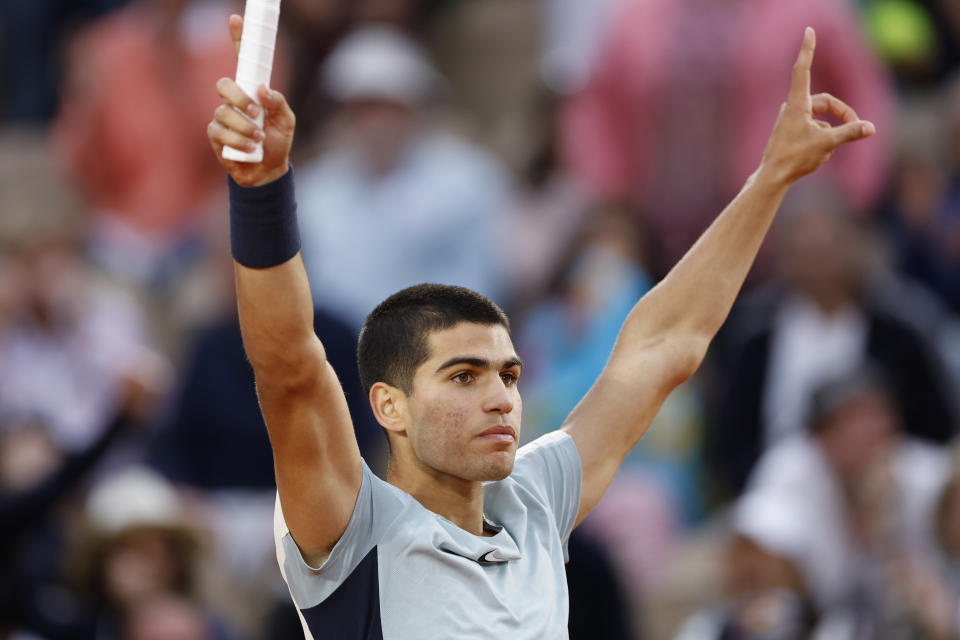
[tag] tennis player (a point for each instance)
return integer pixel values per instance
(467, 536)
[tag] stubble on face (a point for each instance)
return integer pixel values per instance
(447, 416)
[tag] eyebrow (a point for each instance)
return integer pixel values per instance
(479, 363)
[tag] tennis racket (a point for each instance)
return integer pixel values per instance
(255, 62)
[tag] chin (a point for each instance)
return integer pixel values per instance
(499, 468)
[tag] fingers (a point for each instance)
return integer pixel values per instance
(234, 96)
(232, 119)
(235, 23)
(221, 136)
(824, 103)
(276, 109)
(800, 83)
(851, 131)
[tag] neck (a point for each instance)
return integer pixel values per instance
(459, 501)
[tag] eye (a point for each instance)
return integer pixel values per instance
(509, 378)
(464, 377)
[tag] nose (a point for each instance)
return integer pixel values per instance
(500, 399)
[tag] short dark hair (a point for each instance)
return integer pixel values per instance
(836, 391)
(393, 340)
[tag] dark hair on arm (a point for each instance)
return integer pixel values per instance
(393, 340)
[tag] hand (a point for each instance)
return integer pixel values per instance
(146, 379)
(799, 143)
(230, 127)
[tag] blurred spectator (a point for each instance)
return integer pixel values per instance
(66, 343)
(36, 478)
(396, 202)
(567, 337)
(167, 618)
(142, 547)
(215, 438)
(572, 33)
(140, 88)
(31, 39)
(547, 215)
(312, 28)
(599, 607)
(921, 215)
(935, 592)
(215, 444)
(212, 436)
(828, 312)
(488, 51)
(565, 341)
(34, 197)
(861, 503)
(764, 593)
(685, 92)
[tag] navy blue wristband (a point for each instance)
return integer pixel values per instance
(263, 223)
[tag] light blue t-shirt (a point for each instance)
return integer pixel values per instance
(437, 216)
(401, 571)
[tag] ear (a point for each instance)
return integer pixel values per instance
(389, 406)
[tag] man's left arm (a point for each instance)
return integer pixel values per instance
(665, 336)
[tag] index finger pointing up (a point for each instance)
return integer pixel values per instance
(800, 84)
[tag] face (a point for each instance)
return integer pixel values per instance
(141, 563)
(819, 257)
(166, 618)
(860, 434)
(463, 417)
(381, 129)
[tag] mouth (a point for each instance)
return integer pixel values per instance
(500, 433)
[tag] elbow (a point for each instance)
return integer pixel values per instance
(687, 358)
(672, 360)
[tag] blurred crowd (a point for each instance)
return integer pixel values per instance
(558, 156)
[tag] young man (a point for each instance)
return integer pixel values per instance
(466, 538)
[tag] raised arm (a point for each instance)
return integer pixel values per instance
(316, 457)
(665, 336)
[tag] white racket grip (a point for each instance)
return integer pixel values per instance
(255, 62)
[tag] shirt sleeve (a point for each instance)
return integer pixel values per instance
(376, 507)
(550, 468)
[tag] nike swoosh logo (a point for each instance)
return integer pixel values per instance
(491, 556)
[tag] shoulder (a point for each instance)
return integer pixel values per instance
(554, 448)
(922, 468)
(546, 471)
(794, 461)
(378, 507)
(458, 157)
(333, 167)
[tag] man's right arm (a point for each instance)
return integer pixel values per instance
(316, 457)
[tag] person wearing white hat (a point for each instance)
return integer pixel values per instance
(396, 201)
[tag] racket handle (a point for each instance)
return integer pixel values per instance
(255, 62)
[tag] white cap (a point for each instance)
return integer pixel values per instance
(134, 497)
(773, 524)
(379, 62)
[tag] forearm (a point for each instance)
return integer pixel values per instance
(276, 314)
(666, 335)
(273, 294)
(690, 304)
(694, 299)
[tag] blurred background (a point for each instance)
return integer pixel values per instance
(556, 155)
